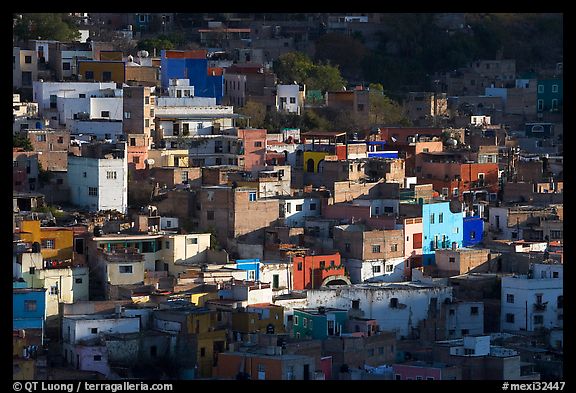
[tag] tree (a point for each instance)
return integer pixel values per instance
(384, 110)
(325, 78)
(20, 140)
(293, 66)
(46, 26)
(256, 112)
(159, 43)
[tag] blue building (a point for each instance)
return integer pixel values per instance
(441, 227)
(192, 65)
(473, 231)
(318, 323)
(377, 149)
(28, 307)
(252, 267)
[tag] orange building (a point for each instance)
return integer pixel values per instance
(254, 143)
(312, 271)
(264, 367)
(56, 243)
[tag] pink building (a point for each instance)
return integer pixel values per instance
(420, 370)
(254, 141)
(91, 358)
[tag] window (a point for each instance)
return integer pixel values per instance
(41, 138)
(432, 218)
(538, 319)
(28, 60)
(110, 174)
(472, 235)
(146, 100)
(97, 358)
(455, 191)
(299, 208)
(252, 196)
(509, 318)
(356, 304)
(258, 144)
(347, 247)
(554, 104)
(440, 218)
(554, 88)
(452, 260)
(540, 88)
(296, 320)
(30, 305)
(299, 266)
(312, 206)
(54, 290)
(78, 281)
(136, 160)
(394, 302)
(465, 331)
(429, 378)
(397, 377)
(388, 209)
(322, 264)
(376, 269)
(106, 76)
(445, 191)
(202, 352)
(540, 105)
(560, 302)
(473, 310)
(127, 115)
(93, 191)
(292, 100)
(304, 321)
(251, 275)
(539, 298)
(389, 268)
(105, 114)
(89, 75)
(125, 269)
(66, 66)
(418, 378)
(375, 248)
(49, 243)
(94, 330)
(394, 247)
(451, 311)
(210, 215)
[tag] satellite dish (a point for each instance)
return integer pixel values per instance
(143, 53)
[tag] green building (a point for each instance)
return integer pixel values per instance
(318, 323)
(549, 95)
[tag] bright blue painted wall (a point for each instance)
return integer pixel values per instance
(473, 224)
(196, 71)
(249, 265)
(23, 319)
(451, 227)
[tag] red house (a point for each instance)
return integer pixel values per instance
(311, 271)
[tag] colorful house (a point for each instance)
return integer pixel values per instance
(56, 243)
(192, 65)
(473, 228)
(442, 228)
(102, 71)
(252, 267)
(28, 307)
(319, 323)
(314, 271)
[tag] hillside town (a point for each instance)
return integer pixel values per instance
(197, 212)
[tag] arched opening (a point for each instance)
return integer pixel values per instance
(310, 165)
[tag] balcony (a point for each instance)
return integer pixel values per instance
(540, 307)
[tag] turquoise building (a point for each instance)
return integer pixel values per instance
(441, 228)
(549, 95)
(318, 323)
(28, 307)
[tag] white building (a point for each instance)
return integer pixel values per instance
(46, 94)
(247, 292)
(296, 210)
(24, 68)
(533, 301)
(289, 98)
(98, 129)
(375, 270)
(397, 307)
(464, 318)
(279, 274)
(100, 183)
(77, 328)
(379, 207)
(180, 252)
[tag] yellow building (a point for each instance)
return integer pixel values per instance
(312, 160)
(199, 299)
(200, 324)
(56, 243)
(258, 317)
(102, 71)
